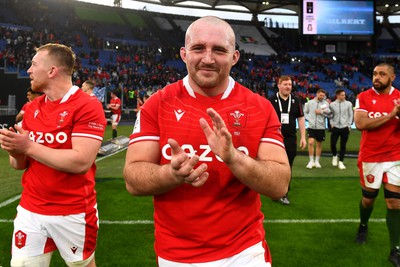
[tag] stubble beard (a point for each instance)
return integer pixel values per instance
(207, 81)
(381, 86)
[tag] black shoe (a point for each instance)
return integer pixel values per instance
(394, 256)
(361, 237)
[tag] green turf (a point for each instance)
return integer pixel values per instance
(299, 235)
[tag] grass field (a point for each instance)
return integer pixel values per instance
(317, 229)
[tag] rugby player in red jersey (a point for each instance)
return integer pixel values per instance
(206, 147)
(376, 116)
(115, 106)
(57, 145)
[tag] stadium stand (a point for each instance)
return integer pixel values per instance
(133, 50)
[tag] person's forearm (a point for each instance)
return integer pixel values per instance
(302, 127)
(65, 160)
(351, 116)
(19, 117)
(18, 162)
(367, 123)
(146, 179)
(269, 178)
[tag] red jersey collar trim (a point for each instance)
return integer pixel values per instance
(190, 90)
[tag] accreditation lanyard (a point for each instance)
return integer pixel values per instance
(284, 116)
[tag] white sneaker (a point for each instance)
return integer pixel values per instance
(341, 165)
(334, 161)
(310, 165)
(317, 165)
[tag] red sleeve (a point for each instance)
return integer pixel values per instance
(90, 121)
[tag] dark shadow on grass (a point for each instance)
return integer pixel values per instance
(327, 178)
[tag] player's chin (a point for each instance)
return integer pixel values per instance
(207, 75)
(377, 86)
(207, 81)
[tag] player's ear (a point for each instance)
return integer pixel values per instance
(52, 71)
(236, 56)
(183, 54)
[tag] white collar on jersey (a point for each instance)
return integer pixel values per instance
(70, 92)
(227, 91)
(376, 91)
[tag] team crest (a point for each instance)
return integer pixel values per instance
(237, 118)
(62, 117)
(370, 178)
(20, 239)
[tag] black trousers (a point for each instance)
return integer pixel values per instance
(343, 133)
(291, 148)
(291, 151)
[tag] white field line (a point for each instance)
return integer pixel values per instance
(279, 221)
(112, 154)
(11, 200)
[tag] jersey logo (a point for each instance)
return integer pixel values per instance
(376, 114)
(178, 114)
(203, 151)
(374, 101)
(73, 249)
(20, 239)
(237, 118)
(49, 138)
(36, 113)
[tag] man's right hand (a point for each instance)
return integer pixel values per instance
(183, 166)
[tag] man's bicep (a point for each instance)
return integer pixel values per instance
(359, 118)
(272, 152)
(144, 151)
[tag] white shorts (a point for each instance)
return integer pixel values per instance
(253, 256)
(75, 236)
(115, 119)
(373, 174)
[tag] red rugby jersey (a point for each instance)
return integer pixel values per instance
(53, 124)
(380, 144)
(115, 102)
(222, 217)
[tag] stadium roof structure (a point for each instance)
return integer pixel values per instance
(266, 7)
